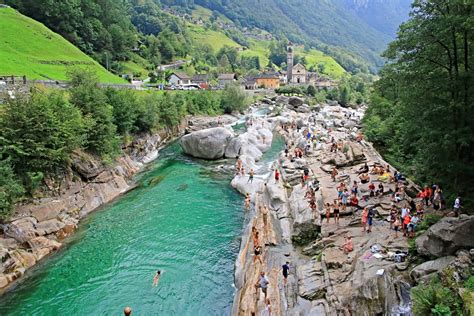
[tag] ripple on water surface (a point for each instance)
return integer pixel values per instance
(186, 224)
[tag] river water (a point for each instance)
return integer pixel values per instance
(184, 219)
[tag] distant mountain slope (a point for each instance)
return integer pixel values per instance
(360, 27)
(29, 48)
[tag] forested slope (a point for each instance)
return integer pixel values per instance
(355, 32)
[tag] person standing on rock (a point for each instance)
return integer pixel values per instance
(345, 198)
(457, 206)
(268, 307)
(277, 176)
(238, 166)
(247, 201)
(251, 174)
(257, 251)
(396, 226)
(336, 211)
(370, 218)
(364, 216)
(285, 270)
(262, 283)
(334, 174)
(264, 216)
(328, 212)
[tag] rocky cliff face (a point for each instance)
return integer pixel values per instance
(39, 227)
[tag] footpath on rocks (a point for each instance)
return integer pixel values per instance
(324, 154)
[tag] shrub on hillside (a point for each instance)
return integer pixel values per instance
(10, 188)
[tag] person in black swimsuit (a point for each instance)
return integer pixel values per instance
(257, 251)
(286, 271)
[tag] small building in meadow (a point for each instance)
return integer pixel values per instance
(179, 78)
(268, 80)
(226, 79)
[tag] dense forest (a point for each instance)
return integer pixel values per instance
(422, 110)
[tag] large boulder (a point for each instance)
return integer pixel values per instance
(209, 143)
(295, 101)
(447, 236)
(429, 267)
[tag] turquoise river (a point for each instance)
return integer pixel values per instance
(184, 219)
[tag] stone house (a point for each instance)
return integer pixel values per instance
(225, 79)
(178, 78)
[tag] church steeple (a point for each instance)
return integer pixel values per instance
(289, 61)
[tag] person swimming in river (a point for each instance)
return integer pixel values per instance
(156, 278)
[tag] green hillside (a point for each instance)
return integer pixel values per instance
(259, 48)
(29, 48)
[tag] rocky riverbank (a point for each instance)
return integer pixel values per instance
(372, 279)
(41, 226)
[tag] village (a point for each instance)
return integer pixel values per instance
(295, 75)
(176, 79)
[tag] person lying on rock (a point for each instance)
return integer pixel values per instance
(348, 246)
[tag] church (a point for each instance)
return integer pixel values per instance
(296, 74)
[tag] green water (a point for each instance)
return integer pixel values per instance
(184, 218)
(187, 222)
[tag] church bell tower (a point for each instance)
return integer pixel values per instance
(289, 61)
